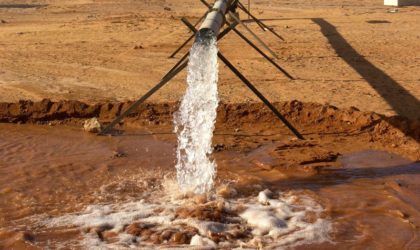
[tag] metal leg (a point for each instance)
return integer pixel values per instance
(261, 96)
(243, 8)
(240, 5)
(171, 74)
(263, 54)
(253, 89)
(249, 30)
(182, 63)
(253, 34)
(182, 46)
(189, 39)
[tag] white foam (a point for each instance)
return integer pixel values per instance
(276, 223)
(115, 216)
(284, 220)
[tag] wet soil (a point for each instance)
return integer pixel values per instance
(362, 169)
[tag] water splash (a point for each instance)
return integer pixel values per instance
(194, 122)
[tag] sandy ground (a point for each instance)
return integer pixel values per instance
(361, 167)
(346, 53)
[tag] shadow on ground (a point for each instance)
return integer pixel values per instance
(400, 100)
(339, 176)
(21, 6)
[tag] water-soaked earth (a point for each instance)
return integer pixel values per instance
(63, 188)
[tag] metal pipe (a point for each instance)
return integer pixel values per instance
(216, 17)
(220, 19)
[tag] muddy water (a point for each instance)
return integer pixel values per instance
(371, 199)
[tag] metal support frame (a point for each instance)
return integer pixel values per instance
(251, 43)
(245, 27)
(258, 21)
(183, 62)
(262, 25)
(189, 39)
(182, 46)
(263, 54)
(171, 74)
(178, 67)
(252, 88)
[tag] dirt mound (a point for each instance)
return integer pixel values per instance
(309, 118)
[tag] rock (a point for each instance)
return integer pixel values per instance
(179, 238)
(2, 21)
(197, 240)
(200, 198)
(227, 191)
(263, 165)
(166, 235)
(92, 125)
(137, 229)
(155, 238)
(218, 147)
(264, 197)
(118, 154)
(25, 236)
(167, 8)
(110, 236)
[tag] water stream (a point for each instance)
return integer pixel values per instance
(194, 122)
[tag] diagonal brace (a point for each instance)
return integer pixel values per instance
(263, 54)
(253, 89)
(245, 27)
(178, 67)
(189, 38)
(258, 21)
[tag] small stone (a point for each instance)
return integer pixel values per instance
(263, 165)
(134, 229)
(218, 147)
(166, 235)
(200, 199)
(227, 191)
(179, 238)
(117, 154)
(197, 240)
(2, 21)
(146, 232)
(25, 236)
(155, 238)
(138, 47)
(110, 236)
(264, 197)
(92, 125)
(167, 8)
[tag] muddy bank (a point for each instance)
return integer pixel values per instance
(62, 187)
(395, 132)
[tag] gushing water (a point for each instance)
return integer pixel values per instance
(194, 122)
